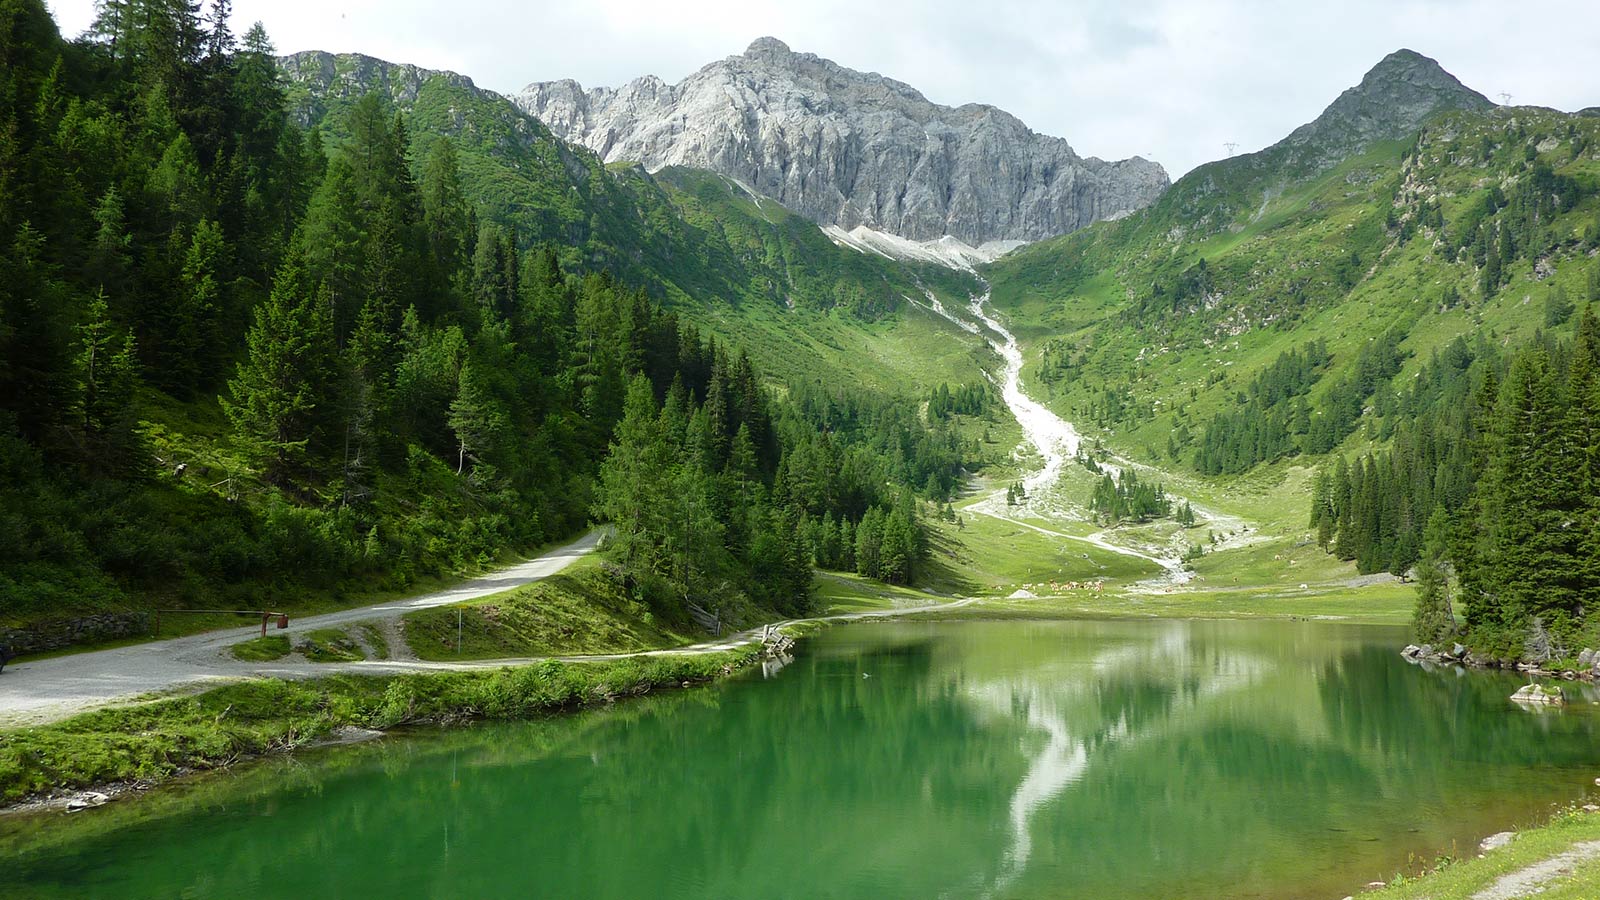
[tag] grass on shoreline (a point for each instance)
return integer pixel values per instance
(214, 729)
(1461, 879)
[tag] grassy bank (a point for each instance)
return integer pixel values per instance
(580, 610)
(1552, 860)
(214, 729)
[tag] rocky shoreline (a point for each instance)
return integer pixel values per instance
(1587, 669)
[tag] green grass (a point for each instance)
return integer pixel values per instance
(1379, 605)
(375, 640)
(581, 610)
(1461, 878)
(1260, 228)
(844, 592)
(214, 729)
(988, 556)
(262, 649)
(328, 645)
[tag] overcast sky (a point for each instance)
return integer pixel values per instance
(1168, 79)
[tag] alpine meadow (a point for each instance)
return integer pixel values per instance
(770, 480)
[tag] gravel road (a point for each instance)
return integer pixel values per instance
(49, 689)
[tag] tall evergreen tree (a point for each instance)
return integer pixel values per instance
(273, 398)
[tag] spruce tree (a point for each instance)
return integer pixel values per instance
(273, 398)
(107, 378)
(476, 418)
(635, 478)
(1530, 503)
(1434, 618)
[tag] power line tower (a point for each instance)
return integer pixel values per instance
(1505, 99)
(1230, 146)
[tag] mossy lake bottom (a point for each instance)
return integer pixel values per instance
(1170, 758)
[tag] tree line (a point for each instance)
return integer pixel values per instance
(1488, 492)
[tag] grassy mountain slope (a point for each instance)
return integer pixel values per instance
(1149, 327)
(742, 267)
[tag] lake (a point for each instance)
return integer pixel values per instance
(1138, 758)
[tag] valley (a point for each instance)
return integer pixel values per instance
(646, 489)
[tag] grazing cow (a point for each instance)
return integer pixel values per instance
(6, 655)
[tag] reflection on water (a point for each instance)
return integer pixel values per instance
(1011, 759)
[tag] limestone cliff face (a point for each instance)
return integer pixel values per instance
(848, 148)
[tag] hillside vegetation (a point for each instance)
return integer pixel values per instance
(261, 348)
(1363, 316)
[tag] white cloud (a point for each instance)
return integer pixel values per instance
(1172, 79)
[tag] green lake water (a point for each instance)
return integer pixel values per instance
(1170, 759)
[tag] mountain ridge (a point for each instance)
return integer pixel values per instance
(849, 148)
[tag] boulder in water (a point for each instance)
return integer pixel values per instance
(1539, 695)
(87, 800)
(1496, 841)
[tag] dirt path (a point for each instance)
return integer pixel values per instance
(49, 689)
(1533, 879)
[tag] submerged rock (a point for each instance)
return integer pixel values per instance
(1496, 841)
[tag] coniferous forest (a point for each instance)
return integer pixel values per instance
(1491, 478)
(240, 359)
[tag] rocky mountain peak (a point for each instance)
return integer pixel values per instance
(768, 48)
(850, 149)
(1392, 102)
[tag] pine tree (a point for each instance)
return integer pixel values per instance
(476, 418)
(1582, 431)
(274, 396)
(194, 331)
(898, 548)
(108, 259)
(1434, 619)
(1557, 308)
(1531, 504)
(35, 338)
(869, 543)
(634, 480)
(107, 378)
(444, 211)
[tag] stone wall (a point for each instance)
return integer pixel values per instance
(59, 633)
